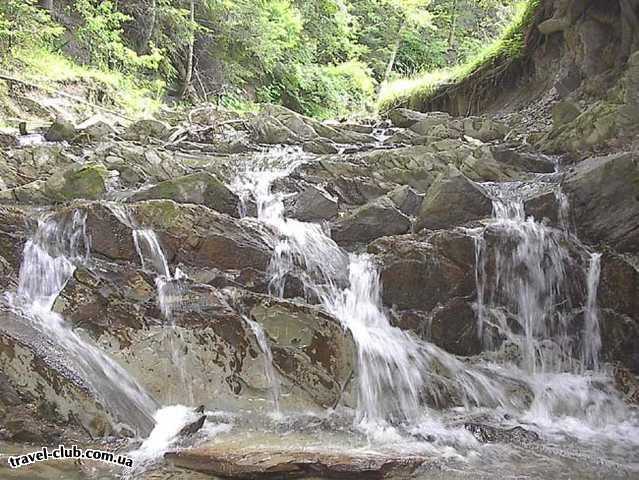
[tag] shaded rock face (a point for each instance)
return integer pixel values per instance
(373, 220)
(471, 203)
(604, 198)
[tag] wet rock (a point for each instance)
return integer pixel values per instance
(147, 128)
(62, 129)
(405, 118)
(201, 188)
(296, 123)
(310, 348)
(192, 428)
(406, 199)
(54, 394)
(484, 129)
(441, 263)
(489, 434)
(320, 146)
(452, 200)
(80, 181)
(276, 462)
(604, 200)
(312, 205)
(371, 221)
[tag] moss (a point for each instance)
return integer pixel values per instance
(87, 182)
(509, 47)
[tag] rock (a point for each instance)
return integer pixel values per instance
(604, 200)
(553, 25)
(201, 188)
(528, 162)
(147, 128)
(484, 129)
(564, 112)
(62, 129)
(310, 348)
(489, 434)
(312, 205)
(296, 123)
(452, 200)
(429, 121)
(406, 199)
(79, 181)
(405, 118)
(8, 140)
(373, 220)
(276, 461)
(54, 395)
(544, 207)
(320, 146)
(271, 131)
(441, 263)
(96, 129)
(192, 428)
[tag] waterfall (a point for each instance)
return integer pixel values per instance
(591, 341)
(269, 370)
(393, 367)
(48, 263)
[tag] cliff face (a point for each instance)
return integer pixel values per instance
(577, 58)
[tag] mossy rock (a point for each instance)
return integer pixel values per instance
(200, 188)
(79, 181)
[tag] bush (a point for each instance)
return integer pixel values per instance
(321, 91)
(24, 24)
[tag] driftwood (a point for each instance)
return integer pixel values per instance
(62, 94)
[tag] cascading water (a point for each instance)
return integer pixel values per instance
(394, 368)
(269, 370)
(591, 341)
(48, 263)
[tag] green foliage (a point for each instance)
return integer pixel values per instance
(101, 35)
(507, 48)
(23, 24)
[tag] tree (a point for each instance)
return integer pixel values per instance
(186, 83)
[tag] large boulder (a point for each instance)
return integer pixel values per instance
(62, 129)
(87, 181)
(405, 118)
(201, 188)
(422, 271)
(280, 461)
(373, 220)
(147, 128)
(452, 200)
(604, 200)
(313, 204)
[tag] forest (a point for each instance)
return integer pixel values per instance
(324, 58)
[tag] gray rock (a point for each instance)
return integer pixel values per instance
(373, 220)
(604, 200)
(313, 204)
(564, 112)
(406, 199)
(62, 129)
(452, 200)
(147, 128)
(484, 129)
(405, 118)
(201, 188)
(320, 146)
(430, 121)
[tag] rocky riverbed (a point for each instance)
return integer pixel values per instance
(423, 294)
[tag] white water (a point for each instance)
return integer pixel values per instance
(393, 368)
(269, 370)
(47, 265)
(591, 341)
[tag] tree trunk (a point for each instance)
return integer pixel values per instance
(186, 85)
(46, 4)
(453, 24)
(150, 20)
(393, 56)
